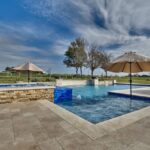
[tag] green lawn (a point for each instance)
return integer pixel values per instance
(140, 80)
(13, 78)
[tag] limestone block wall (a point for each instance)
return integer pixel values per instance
(62, 82)
(23, 95)
(106, 82)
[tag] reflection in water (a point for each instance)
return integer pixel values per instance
(79, 97)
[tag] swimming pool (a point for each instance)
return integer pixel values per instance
(20, 85)
(95, 105)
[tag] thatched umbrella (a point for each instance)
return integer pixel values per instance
(130, 62)
(29, 67)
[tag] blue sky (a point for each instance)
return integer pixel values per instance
(41, 30)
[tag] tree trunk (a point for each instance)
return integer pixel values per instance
(76, 71)
(106, 74)
(81, 71)
(92, 73)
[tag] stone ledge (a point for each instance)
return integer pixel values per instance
(26, 94)
(26, 88)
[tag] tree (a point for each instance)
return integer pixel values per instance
(81, 54)
(9, 68)
(76, 56)
(105, 61)
(70, 59)
(94, 59)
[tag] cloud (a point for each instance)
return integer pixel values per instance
(22, 42)
(24, 31)
(116, 26)
(60, 47)
(100, 21)
(51, 9)
(14, 46)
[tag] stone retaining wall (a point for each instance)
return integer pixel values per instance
(61, 82)
(10, 96)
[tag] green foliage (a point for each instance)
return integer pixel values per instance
(76, 56)
(8, 77)
(139, 79)
(8, 68)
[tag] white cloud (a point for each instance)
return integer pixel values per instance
(60, 47)
(119, 17)
(24, 31)
(14, 48)
(114, 21)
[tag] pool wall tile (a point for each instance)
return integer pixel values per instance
(61, 94)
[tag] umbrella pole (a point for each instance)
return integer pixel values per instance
(130, 85)
(130, 81)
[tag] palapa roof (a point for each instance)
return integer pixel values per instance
(28, 67)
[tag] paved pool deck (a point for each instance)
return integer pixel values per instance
(42, 125)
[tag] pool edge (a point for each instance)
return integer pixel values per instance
(98, 130)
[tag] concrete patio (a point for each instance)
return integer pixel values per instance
(33, 126)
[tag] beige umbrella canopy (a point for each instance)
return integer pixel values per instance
(29, 67)
(137, 62)
(130, 62)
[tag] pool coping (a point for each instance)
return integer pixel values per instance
(126, 92)
(26, 88)
(136, 84)
(98, 130)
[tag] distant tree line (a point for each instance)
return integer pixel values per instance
(79, 56)
(9, 68)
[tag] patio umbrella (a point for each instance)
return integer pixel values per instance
(130, 62)
(29, 67)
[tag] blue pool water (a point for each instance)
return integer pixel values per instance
(19, 85)
(95, 105)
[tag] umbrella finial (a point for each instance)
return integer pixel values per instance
(28, 61)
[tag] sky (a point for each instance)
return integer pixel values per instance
(40, 31)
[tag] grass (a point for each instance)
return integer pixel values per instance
(13, 78)
(7, 77)
(140, 80)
